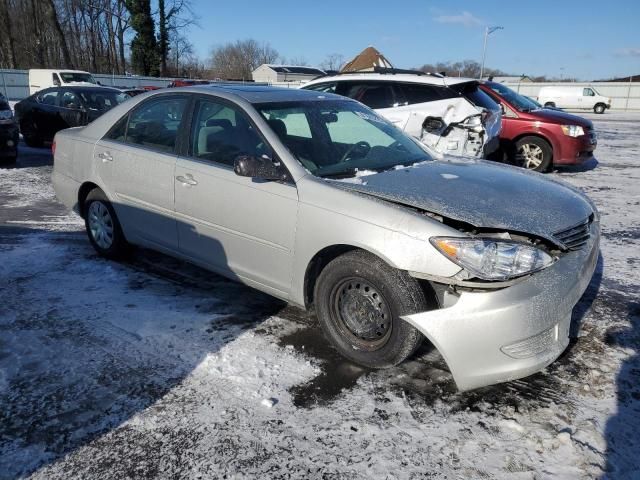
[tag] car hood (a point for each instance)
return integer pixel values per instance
(558, 116)
(482, 194)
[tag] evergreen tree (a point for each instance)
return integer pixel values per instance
(144, 48)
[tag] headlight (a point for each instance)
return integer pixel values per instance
(573, 130)
(493, 259)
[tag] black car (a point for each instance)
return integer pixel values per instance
(48, 111)
(8, 133)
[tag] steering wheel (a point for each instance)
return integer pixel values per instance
(361, 147)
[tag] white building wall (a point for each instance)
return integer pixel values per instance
(264, 74)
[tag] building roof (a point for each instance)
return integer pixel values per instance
(296, 69)
(366, 60)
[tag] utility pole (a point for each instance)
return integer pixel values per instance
(487, 31)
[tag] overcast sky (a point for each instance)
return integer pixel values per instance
(584, 39)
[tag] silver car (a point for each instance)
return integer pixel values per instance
(319, 201)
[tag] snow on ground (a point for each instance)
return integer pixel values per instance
(153, 368)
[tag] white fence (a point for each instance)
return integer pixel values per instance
(624, 95)
(14, 84)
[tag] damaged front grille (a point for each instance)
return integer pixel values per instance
(576, 237)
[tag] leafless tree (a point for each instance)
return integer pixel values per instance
(334, 61)
(238, 59)
(87, 34)
(464, 68)
(299, 61)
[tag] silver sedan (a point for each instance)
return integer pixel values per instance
(317, 200)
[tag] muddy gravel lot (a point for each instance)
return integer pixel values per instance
(153, 368)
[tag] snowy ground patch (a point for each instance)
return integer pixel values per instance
(153, 368)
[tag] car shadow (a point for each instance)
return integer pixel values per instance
(621, 431)
(586, 301)
(586, 166)
(29, 157)
(88, 343)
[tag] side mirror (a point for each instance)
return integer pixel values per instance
(257, 167)
(502, 109)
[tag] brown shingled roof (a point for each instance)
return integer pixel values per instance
(366, 60)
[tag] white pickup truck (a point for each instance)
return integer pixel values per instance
(39, 79)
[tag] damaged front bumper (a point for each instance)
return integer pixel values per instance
(488, 337)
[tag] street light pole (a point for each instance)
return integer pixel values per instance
(487, 31)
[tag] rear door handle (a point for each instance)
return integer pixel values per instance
(187, 180)
(105, 157)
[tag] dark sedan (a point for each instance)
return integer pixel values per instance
(48, 111)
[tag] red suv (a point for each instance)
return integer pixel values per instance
(538, 138)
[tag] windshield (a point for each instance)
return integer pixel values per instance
(522, 103)
(74, 77)
(340, 138)
(102, 100)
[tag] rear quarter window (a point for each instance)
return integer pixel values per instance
(416, 93)
(473, 93)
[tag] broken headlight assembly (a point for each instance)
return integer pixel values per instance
(493, 259)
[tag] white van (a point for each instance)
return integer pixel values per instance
(572, 97)
(40, 79)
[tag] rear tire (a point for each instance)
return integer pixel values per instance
(359, 300)
(600, 108)
(533, 153)
(103, 227)
(550, 105)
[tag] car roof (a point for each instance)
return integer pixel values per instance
(85, 88)
(261, 93)
(396, 77)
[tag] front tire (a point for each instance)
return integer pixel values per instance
(599, 108)
(359, 301)
(103, 227)
(533, 153)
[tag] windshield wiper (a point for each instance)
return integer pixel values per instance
(341, 174)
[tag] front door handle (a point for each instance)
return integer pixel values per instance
(105, 157)
(187, 180)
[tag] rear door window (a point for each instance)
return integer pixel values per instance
(48, 97)
(372, 94)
